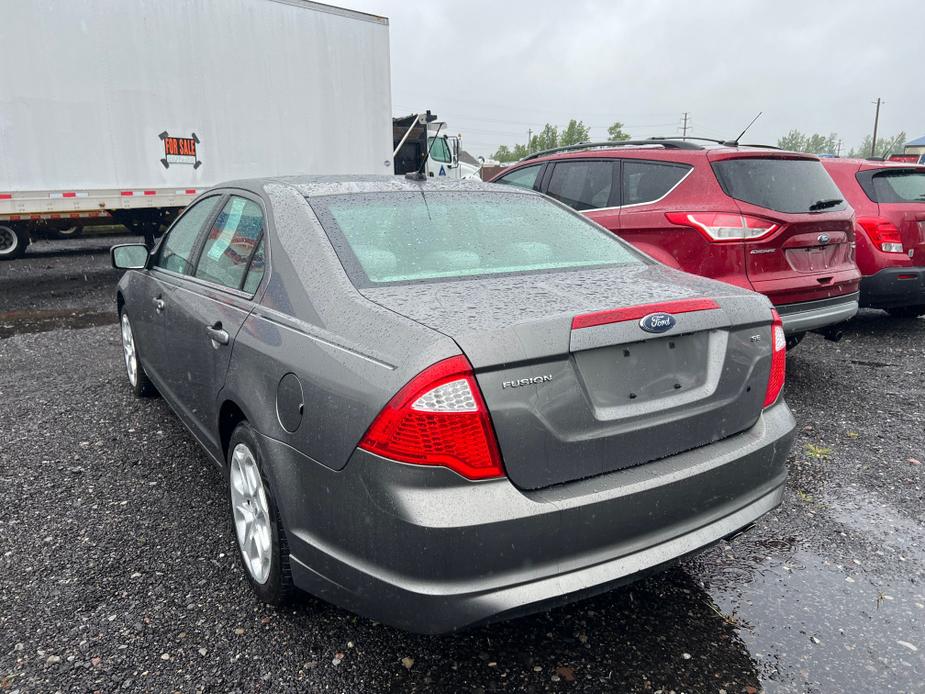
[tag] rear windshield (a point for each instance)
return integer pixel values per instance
(412, 237)
(784, 185)
(894, 185)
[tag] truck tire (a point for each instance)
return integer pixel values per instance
(72, 232)
(13, 242)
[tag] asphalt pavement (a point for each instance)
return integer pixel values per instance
(118, 569)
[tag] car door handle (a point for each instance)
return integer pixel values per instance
(217, 335)
(159, 304)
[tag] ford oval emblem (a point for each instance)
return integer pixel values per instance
(823, 239)
(657, 322)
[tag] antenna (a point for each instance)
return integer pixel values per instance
(735, 142)
(419, 174)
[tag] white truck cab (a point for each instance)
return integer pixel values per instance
(421, 138)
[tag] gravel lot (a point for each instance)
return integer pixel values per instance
(118, 567)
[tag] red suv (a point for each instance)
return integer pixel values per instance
(889, 201)
(759, 218)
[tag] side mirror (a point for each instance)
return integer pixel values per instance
(452, 146)
(129, 256)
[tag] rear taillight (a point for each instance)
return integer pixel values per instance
(439, 418)
(778, 360)
(725, 226)
(882, 233)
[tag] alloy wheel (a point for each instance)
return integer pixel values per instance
(251, 512)
(128, 350)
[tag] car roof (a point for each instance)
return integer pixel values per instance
(663, 152)
(315, 186)
(868, 164)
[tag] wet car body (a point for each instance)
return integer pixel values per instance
(619, 449)
(889, 201)
(745, 215)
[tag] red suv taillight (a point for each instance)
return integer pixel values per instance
(725, 226)
(439, 418)
(778, 360)
(882, 233)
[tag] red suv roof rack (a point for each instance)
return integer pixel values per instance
(667, 143)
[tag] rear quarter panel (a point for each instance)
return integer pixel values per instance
(349, 355)
(682, 247)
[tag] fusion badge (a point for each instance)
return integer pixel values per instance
(533, 380)
(657, 322)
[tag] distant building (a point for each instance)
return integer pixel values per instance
(916, 146)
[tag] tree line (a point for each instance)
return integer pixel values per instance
(550, 137)
(817, 143)
(577, 132)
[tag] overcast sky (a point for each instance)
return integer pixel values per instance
(494, 68)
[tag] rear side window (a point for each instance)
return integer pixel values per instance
(256, 270)
(582, 185)
(522, 178)
(893, 185)
(231, 242)
(647, 181)
(784, 185)
(409, 237)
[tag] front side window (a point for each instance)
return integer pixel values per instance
(439, 150)
(177, 247)
(647, 181)
(886, 186)
(783, 185)
(231, 242)
(403, 237)
(522, 178)
(582, 185)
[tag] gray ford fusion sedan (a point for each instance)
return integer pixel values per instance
(438, 404)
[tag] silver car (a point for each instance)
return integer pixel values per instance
(438, 404)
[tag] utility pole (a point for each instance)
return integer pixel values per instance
(529, 139)
(685, 119)
(838, 148)
(873, 143)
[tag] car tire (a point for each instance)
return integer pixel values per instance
(794, 339)
(907, 311)
(262, 546)
(13, 242)
(137, 378)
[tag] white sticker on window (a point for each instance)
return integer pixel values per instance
(228, 230)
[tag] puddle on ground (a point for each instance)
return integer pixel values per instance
(814, 621)
(44, 320)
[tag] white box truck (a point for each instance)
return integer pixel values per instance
(118, 111)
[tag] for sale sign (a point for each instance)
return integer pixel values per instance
(180, 150)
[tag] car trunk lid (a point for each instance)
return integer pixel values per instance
(576, 389)
(910, 219)
(809, 255)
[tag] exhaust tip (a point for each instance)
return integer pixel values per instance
(833, 333)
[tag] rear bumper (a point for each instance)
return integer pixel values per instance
(813, 315)
(893, 287)
(422, 549)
